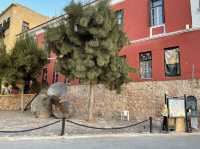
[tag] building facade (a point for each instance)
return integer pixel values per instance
(16, 19)
(164, 36)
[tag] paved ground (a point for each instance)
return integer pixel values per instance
(19, 121)
(111, 142)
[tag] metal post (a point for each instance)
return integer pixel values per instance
(186, 115)
(150, 124)
(63, 127)
(165, 98)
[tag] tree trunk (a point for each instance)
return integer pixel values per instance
(91, 102)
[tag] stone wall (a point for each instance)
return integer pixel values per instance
(141, 99)
(14, 102)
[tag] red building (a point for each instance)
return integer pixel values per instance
(165, 43)
(164, 35)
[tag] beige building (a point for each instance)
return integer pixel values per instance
(16, 19)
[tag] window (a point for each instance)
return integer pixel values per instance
(146, 65)
(55, 77)
(172, 62)
(25, 26)
(157, 12)
(120, 17)
(6, 23)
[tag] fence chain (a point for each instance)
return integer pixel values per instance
(32, 129)
(111, 128)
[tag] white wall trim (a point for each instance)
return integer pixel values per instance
(165, 35)
(154, 27)
(113, 2)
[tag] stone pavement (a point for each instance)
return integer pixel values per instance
(19, 121)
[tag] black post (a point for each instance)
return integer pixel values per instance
(63, 127)
(165, 98)
(150, 124)
(186, 115)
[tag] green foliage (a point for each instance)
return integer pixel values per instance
(87, 44)
(2, 45)
(5, 62)
(25, 61)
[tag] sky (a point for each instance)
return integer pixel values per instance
(46, 7)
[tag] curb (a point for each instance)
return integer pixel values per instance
(123, 135)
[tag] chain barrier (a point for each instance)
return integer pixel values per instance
(32, 129)
(111, 128)
(78, 124)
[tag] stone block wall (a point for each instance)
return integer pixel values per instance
(141, 99)
(14, 102)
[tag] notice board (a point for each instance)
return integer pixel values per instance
(176, 107)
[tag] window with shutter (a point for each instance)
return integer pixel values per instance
(55, 77)
(25, 26)
(172, 62)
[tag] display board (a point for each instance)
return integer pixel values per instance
(176, 107)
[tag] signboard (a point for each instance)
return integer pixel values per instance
(176, 107)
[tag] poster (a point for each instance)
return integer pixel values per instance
(176, 107)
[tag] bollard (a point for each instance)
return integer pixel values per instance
(150, 124)
(63, 127)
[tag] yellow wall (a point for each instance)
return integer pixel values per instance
(18, 14)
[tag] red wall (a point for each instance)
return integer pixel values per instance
(177, 14)
(52, 60)
(137, 16)
(189, 55)
(137, 26)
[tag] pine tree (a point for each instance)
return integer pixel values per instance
(27, 61)
(4, 59)
(87, 44)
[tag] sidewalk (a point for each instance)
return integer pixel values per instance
(11, 121)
